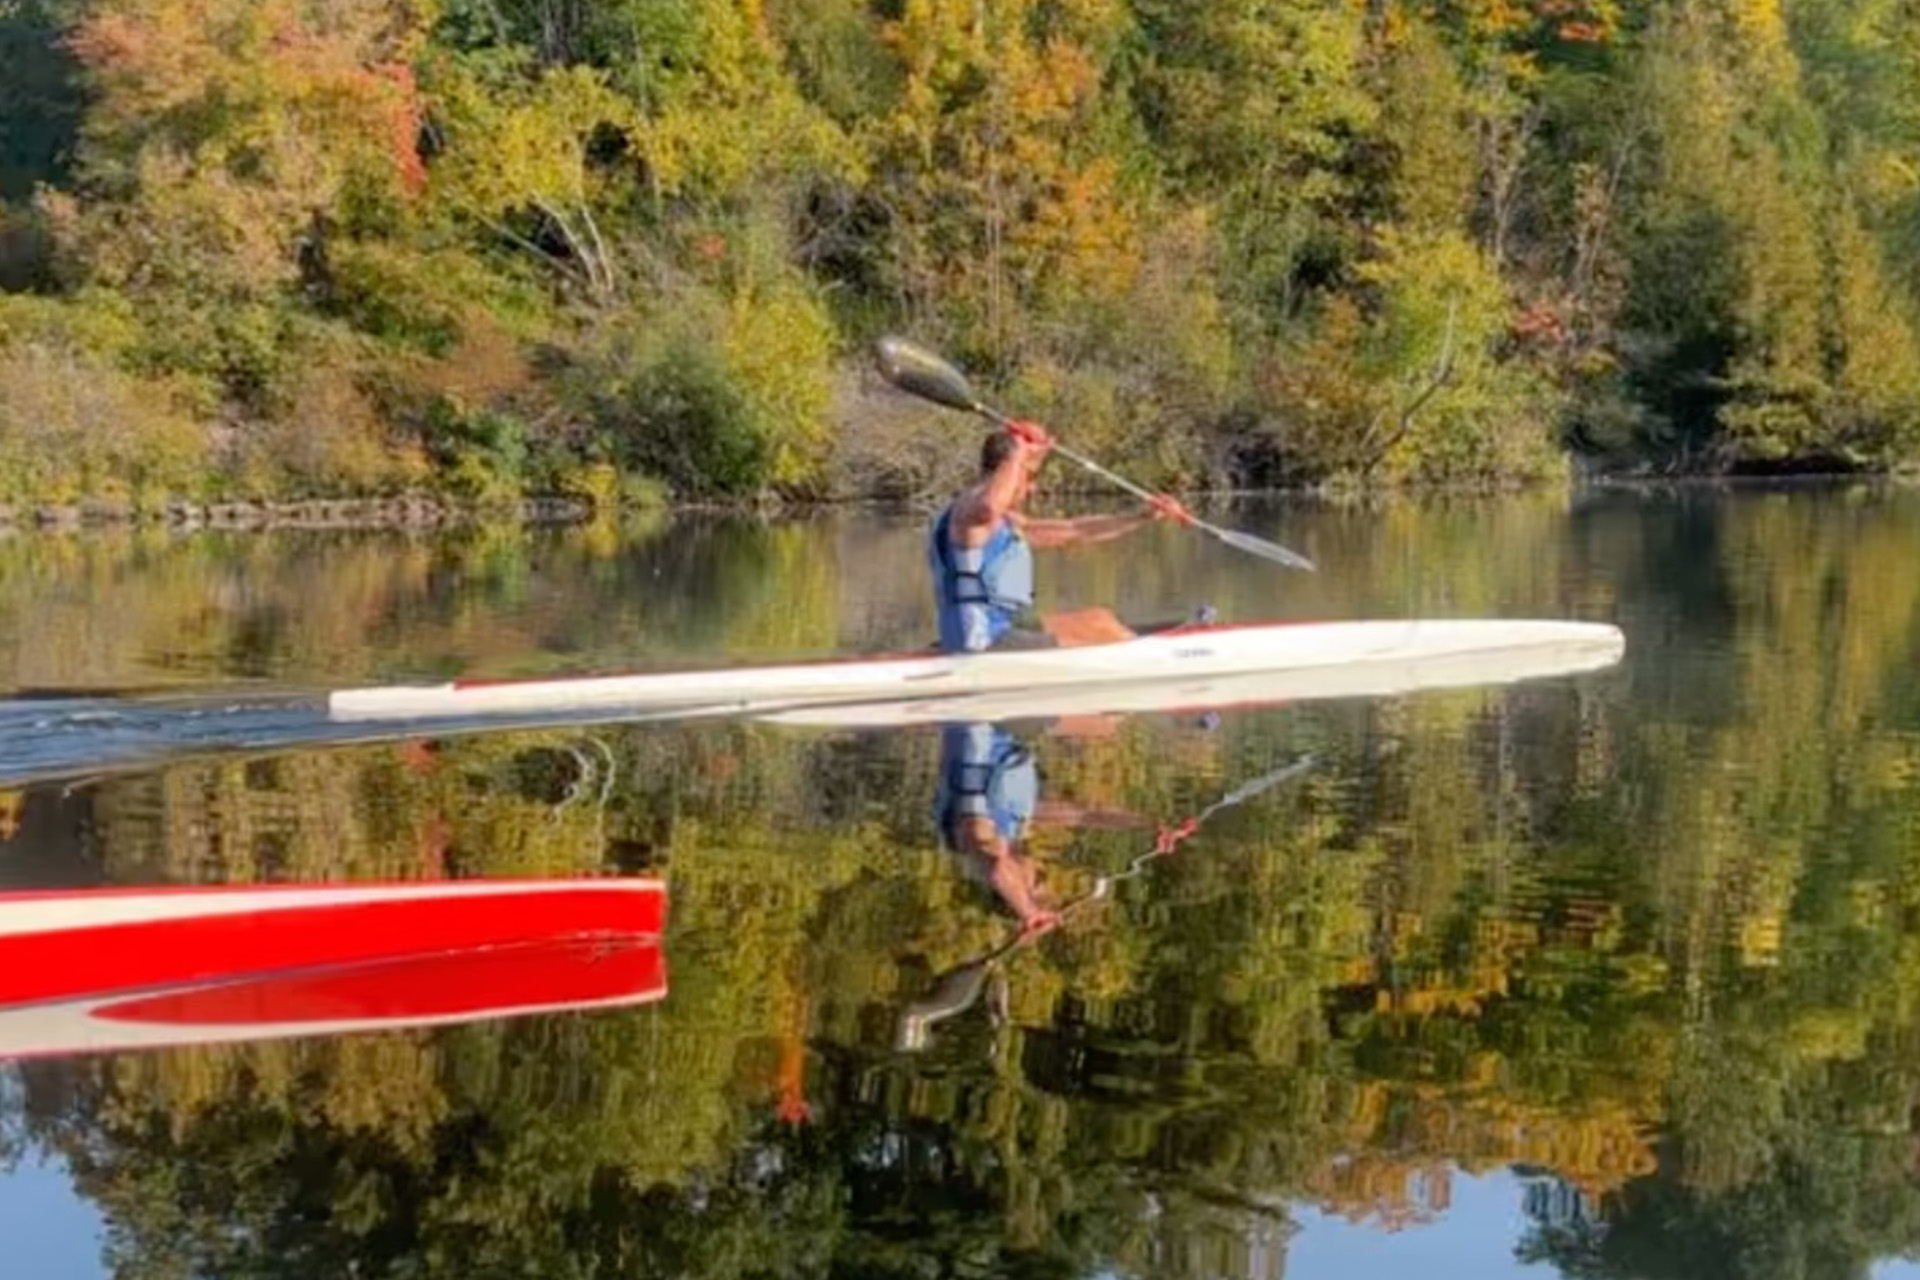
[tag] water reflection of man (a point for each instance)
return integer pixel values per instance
(989, 792)
(989, 799)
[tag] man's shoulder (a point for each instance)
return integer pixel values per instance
(968, 510)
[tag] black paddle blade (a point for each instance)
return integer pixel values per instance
(918, 371)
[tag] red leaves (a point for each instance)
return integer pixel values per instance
(217, 77)
(406, 119)
(1540, 324)
(104, 41)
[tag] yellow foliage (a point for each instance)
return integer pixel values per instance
(734, 123)
(525, 149)
(73, 426)
(230, 125)
(778, 343)
(1009, 211)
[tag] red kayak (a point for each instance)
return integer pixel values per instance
(100, 969)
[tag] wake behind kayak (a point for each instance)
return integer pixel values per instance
(75, 738)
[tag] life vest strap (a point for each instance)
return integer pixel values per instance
(964, 586)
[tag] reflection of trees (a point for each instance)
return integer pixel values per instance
(120, 608)
(1828, 1205)
(1654, 939)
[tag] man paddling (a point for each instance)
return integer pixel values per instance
(980, 553)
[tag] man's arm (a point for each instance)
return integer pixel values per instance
(1092, 529)
(1063, 813)
(1081, 532)
(991, 501)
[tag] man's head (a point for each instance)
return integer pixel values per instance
(998, 449)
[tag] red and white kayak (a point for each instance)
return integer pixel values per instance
(434, 989)
(121, 968)
(1187, 652)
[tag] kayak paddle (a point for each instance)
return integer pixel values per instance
(917, 371)
(960, 987)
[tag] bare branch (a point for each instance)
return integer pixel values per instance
(577, 246)
(599, 246)
(1506, 145)
(554, 260)
(1441, 376)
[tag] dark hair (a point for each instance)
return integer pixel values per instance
(994, 451)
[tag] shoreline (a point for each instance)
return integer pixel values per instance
(418, 512)
(368, 514)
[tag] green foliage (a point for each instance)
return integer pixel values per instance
(1256, 108)
(97, 321)
(1193, 226)
(1409, 378)
(483, 454)
(1759, 288)
(838, 55)
(716, 394)
(40, 97)
(26, 251)
(777, 344)
(74, 426)
(670, 407)
(517, 163)
(415, 301)
(725, 120)
(1426, 124)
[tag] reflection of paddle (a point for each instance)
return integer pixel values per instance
(956, 990)
(917, 371)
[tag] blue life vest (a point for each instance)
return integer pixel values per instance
(978, 591)
(985, 772)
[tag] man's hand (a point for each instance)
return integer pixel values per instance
(1163, 507)
(1039, 922)
(1031, 435)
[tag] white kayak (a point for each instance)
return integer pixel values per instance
(1187, 652)
(1381, 678)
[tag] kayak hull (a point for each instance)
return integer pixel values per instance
(1181, 653)
(1379, 678)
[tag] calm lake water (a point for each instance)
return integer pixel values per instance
(1613, 975)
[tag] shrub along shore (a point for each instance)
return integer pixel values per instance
(362, 261)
